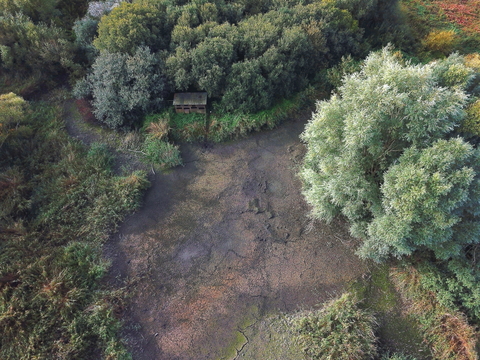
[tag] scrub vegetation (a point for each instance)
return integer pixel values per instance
(59, 202)
(393, 150)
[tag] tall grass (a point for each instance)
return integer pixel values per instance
(218, 127)
(340, 331)
(182, 127)
(59, 203)
(445, 329)
(229, 126)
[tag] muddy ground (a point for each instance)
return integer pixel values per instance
(224, 244)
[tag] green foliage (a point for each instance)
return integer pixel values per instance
(230, 126)
(440, 42)
(13, 110)
(33, 51)
(99, 156)
(211, 61)
(430, 201)
(455, 283)
(248, 91)
(181, 127)
(162, 153)
(58, 204)
(453, 71)
(245, 55)
(271, 53)
(471, 124)
(85, 30)
(397, 356)
(356, 136)
(340, 331)
(60, 12)
(124, 87)
(37, 10)
(129, 26)
(445, 329)
(347, 66)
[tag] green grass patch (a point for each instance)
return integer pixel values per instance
(161, 153)
(396, 331)
(183, 127)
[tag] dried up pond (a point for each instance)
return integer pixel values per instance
(223, 244)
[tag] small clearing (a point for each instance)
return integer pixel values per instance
(223, 245)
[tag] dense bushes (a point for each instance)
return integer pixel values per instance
(445, 329)
(58, 202)
(31, 52)
(129, 26)
(245, 56)
(36, 49)
(429, 200)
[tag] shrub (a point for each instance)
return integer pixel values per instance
(446, 329)
(124, 87)
(158, 129)
(440, 42)
(129, 26)
(336, 74)
(429, 201)
(58, 202)
(358, 135)
(181, 127)
(234, 125)
(100, 157)
(471, 124)
(473, 62)
(340, 331)
(162, 153)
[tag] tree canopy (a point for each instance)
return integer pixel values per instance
(124, 86)
(246, 55)
(383, 127)
(129, 26)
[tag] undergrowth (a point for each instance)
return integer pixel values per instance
(59, 203)
(233, 125)
(218, 127)
(341, 330)
(444, 26)
(446, 329)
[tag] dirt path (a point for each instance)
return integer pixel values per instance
(221, 244)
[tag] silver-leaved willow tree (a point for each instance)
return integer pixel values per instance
(383, 152)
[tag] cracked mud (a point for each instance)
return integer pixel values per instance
(222, 244)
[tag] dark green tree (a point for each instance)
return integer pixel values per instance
(247, 90)
(211, 62)
(124, 87)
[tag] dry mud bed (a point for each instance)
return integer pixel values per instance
(223, 244)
